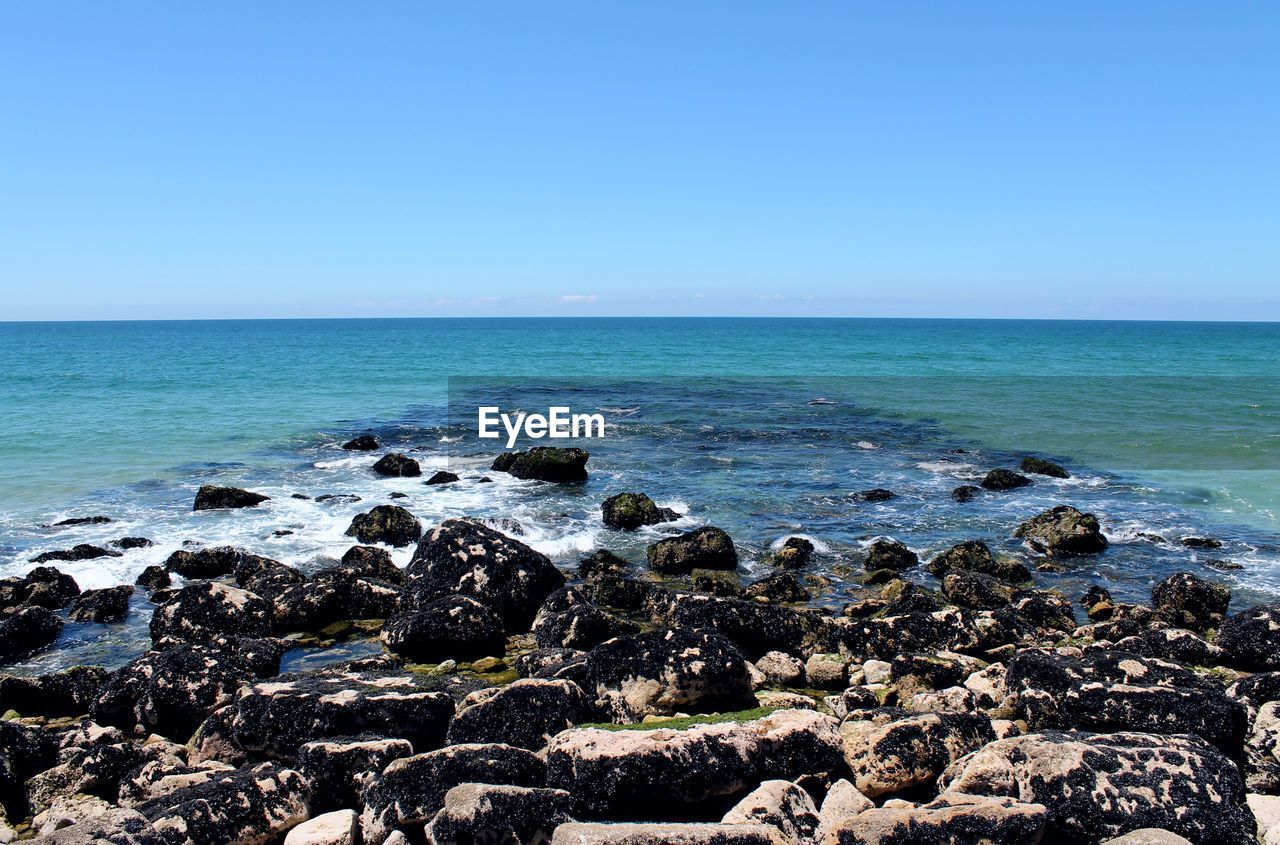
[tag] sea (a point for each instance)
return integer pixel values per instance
(768, 428)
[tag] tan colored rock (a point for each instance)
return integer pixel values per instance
(665, 834)
(889, 757)
(953, 820)
(781, 805)
(341, 827)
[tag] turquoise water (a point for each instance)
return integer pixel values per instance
(1169, 428)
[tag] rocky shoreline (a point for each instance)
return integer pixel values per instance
(642, 702)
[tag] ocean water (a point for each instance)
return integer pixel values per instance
(766, 428)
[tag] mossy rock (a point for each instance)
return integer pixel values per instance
(678, 723)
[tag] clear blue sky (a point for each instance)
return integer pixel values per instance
(1083, 159)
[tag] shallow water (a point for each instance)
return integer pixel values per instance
(764, 428)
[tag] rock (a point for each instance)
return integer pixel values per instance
(779, 804)
(1184, 601)
(1201, 543)
(455, 627)
(651, 833)
(660, 673)
(526, 713)
(396, 465)
(1266, 810)
(503, 574)
(545, 463)
(411, 790)
(826, 671)
(171, 692)
(602, 562)
(363, 443)
(702, 548)
(1252, 638)
(373, 562)
(887, 553)
(441, 477)
(97, 769)
(892, 753)
(338, 498)
(212, 497)
(1099, 786)
(478, 812)
(1062, 531)
(1039, 466)
(581, 627)
(277, 717)
(132, 543)
(1109, 691)
(43, 586)
(339, 827)
(214, 562)
(1149, 836)
(1004, 479)
(843, 801)
(65, 693)
(796, 553)
(339, 769)
(966, 493)
(203, 610)
(638, 774)
(778, 588)
(781, 669)
(629, 511)
(82, 520)
(976, 590)
(107, 605)
(1176, 644)
(240, 806)
(1262, 750)
(975, 556)
(875, 494)
(948, 820)
(390, 524)
(154, 577)
(29, 629)
(81, 551)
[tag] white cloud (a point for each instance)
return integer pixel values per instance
(579, 297)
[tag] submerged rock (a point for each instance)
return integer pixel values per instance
(629, 511)
(1252, 637)
(107, 605)
(390, 524)
(452, 627)
(796, 552)
(212, 497)
(660, 673)
(363, 443)
(965, 493)
(1062, 531)
(1185, 601)
(545, 463)
(1004, 479)
(1100, 786)
(875, 494)
(203, 610)
(27, 630)
(442, 477)
(702, 548)
(81, 551)
(1039, 466)
(132, 543)
(396, 465)
(665, 773)
(503, 574)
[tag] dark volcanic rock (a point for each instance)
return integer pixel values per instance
(1099, 786)
(887, 553)
(442, 477)
(1201, 543)
(390, 524)
(24, 751)
(108, 605)
(778, 587)
(363, 443)
(341, 767)
(754, 627)
(411, 790)
(976, 590)
(65, 693)
(82, 520)
(201, 611)
(396, 465)
(276, 718)
(1184, 601)
(665, 672)
(451, 627)
(1110, 691)
(582, 626)
(1004, 479)
(974, 556)
(1039, 466)
(43, 586)
(601, 562)
(545, 463)
(629, 511)
(237, 806)
(965, 493)
(170, 692)
(526, 713)
(27, 630)
(213, 562)
(503, 574)
(211, 497)
(796, 552)
(132, 543)
(699, 771)
(702, 548)
(153, 578)
(875, 494)
(1063, 530)
(80, 551)
(481, 812)
(373, 562)
(1252, 637)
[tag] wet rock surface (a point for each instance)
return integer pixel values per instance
(545, 463)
